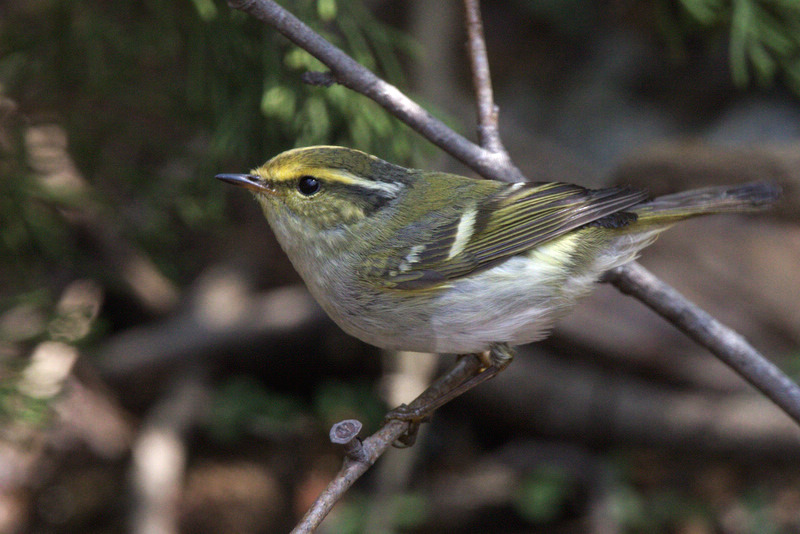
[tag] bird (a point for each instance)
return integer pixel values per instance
(426, 261)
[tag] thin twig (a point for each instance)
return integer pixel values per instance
(488, 122)
(372, 448)
(355, 76)
(724, 343)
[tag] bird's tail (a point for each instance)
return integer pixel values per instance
(720, 199)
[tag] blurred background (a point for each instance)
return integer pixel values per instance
(162, 368)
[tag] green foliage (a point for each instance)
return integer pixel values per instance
(759, 504)
(350, 517)
(411, 509)
(156, 97)
(335, 401)
(20, 410)
(29, 232)
(659, 511)
(543, 493)
(242, 404)
(763, 35)
(402, 512)
(574, 18)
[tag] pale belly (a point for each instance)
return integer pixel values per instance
(515, 302)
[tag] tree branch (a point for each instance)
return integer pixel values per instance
(488, 122)
(724, 343)
(359, 459)
(355, 76)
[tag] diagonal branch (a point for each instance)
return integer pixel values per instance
(724, 343)
(355, 76)
(359, 459)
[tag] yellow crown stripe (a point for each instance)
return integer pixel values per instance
(335, 176)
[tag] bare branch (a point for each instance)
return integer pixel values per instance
(724, 343)
(323, 79)
(488, 122)
(355, 76)
(373, 447)
(550, 393)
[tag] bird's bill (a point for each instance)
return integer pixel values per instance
(247, 181)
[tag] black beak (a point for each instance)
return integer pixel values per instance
(248, 181)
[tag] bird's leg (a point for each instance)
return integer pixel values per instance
(463, 376)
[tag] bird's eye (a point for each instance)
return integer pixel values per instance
(308, 185)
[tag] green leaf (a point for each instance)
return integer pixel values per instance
(741, 28)
(764, 64)
(542, 495)
(705, 12)
(279, 103)
(243, 401)
(326, 9)
(206, 9)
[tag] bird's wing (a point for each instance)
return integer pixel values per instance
(516, 218)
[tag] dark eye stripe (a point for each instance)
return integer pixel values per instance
(308, 185)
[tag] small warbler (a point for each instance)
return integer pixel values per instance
(433, 262)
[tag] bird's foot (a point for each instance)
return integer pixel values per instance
(451, 385)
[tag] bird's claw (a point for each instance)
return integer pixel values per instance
(414, 416)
